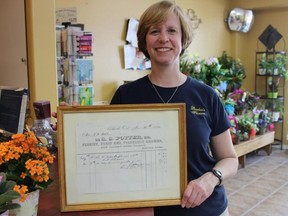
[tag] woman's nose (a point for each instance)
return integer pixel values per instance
(163, 37)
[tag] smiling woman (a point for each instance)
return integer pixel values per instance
(164, 33)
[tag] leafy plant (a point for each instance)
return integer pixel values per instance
(246, 124)
(7, 194)
(235, 72)
(280, 64)
(273, 84)
(275, 106)
(263, 63)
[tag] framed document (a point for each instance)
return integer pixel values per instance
(121, 156)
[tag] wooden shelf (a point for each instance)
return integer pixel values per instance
(264, 142)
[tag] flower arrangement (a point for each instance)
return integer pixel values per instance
(244, 100)
(225, 72)
(214, 72)
(192, 65)
(206, 70)
(235, 72)
(262, 119)
(247, 125)
(24, 161)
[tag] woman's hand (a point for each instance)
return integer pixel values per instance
(54, 114)
(198, 190)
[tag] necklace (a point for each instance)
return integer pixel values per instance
(154, 87)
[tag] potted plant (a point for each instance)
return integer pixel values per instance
(7, 195)
(247, 125)
(273, 87)
(280, 65)
(25, 161)
(262, 120)
(233, 71)
(263, 64)
(276, 109)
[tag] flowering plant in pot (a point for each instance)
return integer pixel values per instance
(246, 125)
(25, 161)
(262, 119)
(234, 71)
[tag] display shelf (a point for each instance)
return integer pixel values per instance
(74, 67)
(269, 78)
(264, 142)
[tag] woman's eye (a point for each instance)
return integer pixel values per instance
(172, 30)
(154, 32)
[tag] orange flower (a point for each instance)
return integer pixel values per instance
(23, 175)
(23, 159)
(22, 190)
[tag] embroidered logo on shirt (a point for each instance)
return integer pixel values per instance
(197, 110)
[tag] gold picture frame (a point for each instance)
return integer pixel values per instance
(121, 156)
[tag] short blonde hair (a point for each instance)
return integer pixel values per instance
(158, 13)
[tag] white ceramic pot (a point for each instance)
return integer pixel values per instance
(29, 207)
(275, 116)
(261, 71)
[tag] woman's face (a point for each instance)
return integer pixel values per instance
(164, 41)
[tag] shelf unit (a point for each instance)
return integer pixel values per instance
(74, 68)
(274, 104)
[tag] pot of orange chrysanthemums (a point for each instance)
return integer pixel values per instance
(26, 162)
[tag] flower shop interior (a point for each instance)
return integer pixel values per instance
(227, 59)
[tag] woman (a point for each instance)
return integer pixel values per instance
(164, 33)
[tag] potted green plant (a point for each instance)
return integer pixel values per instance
(263, 64)
(273, 87)
(280, 62)
(276, 109)
(233, 71)
(7, 194)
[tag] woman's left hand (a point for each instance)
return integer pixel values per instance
(198, 190)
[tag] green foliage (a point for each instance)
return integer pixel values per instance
(214, 70)
(235, 72)
(280, 64)
(246, 123)
(7, 194)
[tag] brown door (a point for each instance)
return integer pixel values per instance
(13, 55)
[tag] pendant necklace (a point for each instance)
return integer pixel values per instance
(154, 87)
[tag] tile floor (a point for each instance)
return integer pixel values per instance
(261, 188)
